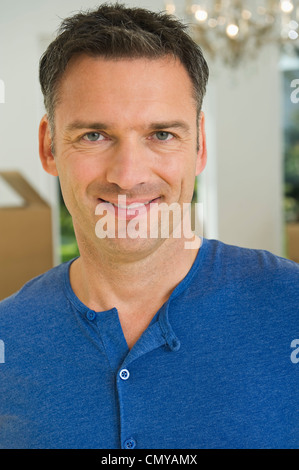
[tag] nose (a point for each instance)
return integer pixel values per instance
(128, 166)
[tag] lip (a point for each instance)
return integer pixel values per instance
(128, 209)
(129, 202)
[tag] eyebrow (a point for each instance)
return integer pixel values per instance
(77, 125)
(170, 125)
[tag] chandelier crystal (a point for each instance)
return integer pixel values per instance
(236, 30)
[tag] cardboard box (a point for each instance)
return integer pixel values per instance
(25, 237)
(292, 231)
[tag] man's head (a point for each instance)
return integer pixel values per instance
(116, 32)
(123, 91)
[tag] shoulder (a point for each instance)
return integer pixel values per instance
(236, 258)
(245, 268)
(38, 292)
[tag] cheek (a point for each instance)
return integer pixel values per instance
(179, 172)
(76, 171)
(72, 181)
(171, 168)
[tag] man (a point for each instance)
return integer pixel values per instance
(143, 341)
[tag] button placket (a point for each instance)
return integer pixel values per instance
(123, 376)
(155, 336)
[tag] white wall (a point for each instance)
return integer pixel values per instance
(243, 178)
(242, 182)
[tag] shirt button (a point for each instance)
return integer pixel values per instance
(90, 315)
(130, 443)
(124, 374)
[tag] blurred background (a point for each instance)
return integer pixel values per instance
(250, 188)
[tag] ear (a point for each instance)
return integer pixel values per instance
(45, 145)
(202, 152)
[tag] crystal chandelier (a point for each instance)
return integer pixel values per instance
(235, 30)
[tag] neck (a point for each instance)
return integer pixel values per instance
(137, 288)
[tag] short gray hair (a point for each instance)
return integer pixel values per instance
(116, 31)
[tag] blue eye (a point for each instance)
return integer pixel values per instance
(93, 136)
(163, 135)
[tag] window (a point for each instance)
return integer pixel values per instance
(290, 83)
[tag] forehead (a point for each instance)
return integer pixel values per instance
(91, 82)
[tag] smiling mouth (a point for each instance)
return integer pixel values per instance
(123, 210)
(132, 206)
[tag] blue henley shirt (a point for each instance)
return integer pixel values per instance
(218, 367)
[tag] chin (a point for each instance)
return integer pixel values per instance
(129, 249)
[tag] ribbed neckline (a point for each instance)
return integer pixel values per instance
(185, 282)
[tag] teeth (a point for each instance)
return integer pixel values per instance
(135, 205)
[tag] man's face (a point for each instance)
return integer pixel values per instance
(124, 127)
